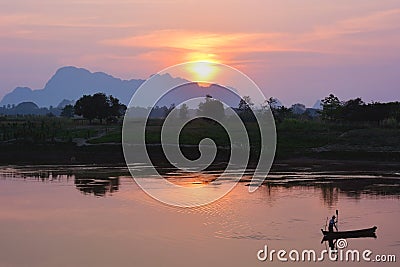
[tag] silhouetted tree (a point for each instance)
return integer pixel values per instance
(211, 108)
(183, 111)
(68, 111)
(117, 109)
(102, 106)
(273, 103)
(353, 110)
(98, 106)
(331, 107)
(279, 111)
(170, 109)
(160, 112)
(85, 107)
(376, 112)
(245, 110)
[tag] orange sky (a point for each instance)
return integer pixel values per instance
(298, 51)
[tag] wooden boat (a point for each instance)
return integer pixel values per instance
(368, 232)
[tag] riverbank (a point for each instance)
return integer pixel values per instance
(112, 154)
(308, 144)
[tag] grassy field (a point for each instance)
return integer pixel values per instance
(45, 130)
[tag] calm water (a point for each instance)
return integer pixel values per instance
(89, 216)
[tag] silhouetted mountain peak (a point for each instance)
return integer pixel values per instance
(71, 83)
(318, 105)
(71, 69)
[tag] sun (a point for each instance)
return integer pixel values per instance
(203, 71)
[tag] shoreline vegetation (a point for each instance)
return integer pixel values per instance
(342, 136)
(301, 143)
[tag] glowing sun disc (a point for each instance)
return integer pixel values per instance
(203, 70)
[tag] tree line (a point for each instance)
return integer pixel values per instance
(102, 107)
(211, 107)
(356, 110)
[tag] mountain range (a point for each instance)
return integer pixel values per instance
(69, 84)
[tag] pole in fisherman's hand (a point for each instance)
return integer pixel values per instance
(337, 217)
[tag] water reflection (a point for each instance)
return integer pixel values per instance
(330, 195)
(97, 187)
(332, 186)
(103, 181)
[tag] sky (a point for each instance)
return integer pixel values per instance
(297, 51)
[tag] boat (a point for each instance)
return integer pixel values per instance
(368, 232)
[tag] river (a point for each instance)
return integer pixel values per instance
(98, 216)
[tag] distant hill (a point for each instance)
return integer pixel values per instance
(318, 105)
(70, 83)
(65, 102)
(26, 108)
(29, 108)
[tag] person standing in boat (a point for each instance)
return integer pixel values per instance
(332, 223)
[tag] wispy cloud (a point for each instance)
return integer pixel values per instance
(377, 21)
(192, 45)
(335, 38)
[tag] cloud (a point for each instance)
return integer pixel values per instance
(34, 26)
(192, 45)
(338, 38)
(377, 21)
(356, 36)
